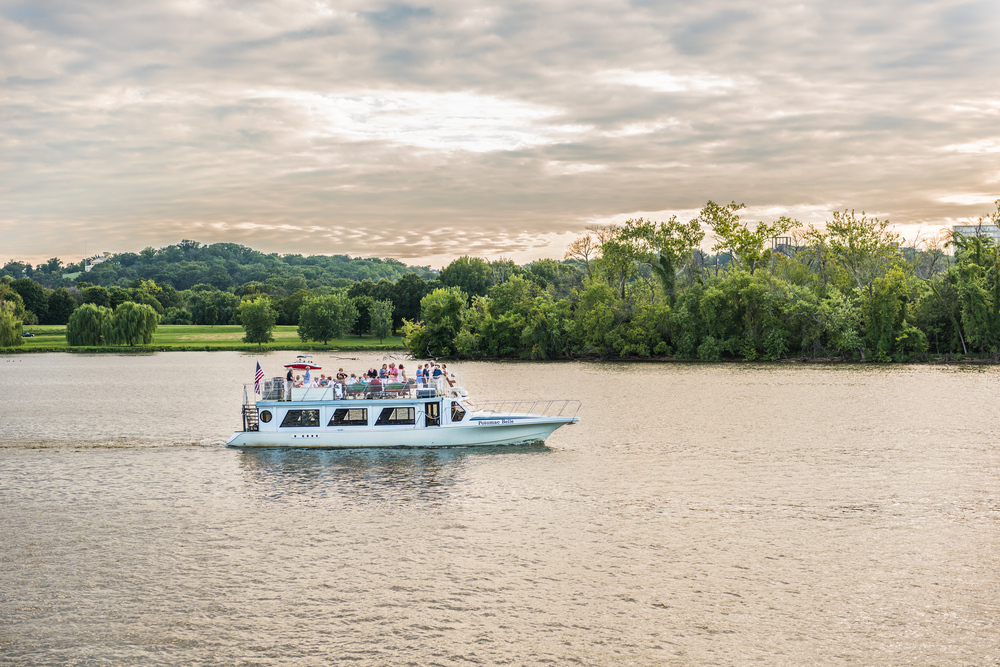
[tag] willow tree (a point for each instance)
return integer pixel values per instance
(10, 326)
(86, 324)
(131, 324)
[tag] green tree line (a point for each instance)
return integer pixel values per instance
(361, 308)
(225, 266)
(713, 287)
(851, 289)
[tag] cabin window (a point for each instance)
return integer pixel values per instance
(457, 412)
(396, 417)
(301, 418)
(349, 417)
(265, 416)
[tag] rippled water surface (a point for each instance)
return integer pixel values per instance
(698, 515)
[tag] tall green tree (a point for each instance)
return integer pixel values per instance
(865, 248)
(442, 313)
(747, 247)
(177, 316)
(619, 262)
(61, 305)
(363, 305)
(86, 325)
(406, 296)
(258, 319)
(472, 275)
(361, 288)
(199, 300)
(118, 296)
(666, 247)
(33, 295)
(290, 306)
(97, 295)
(9, 296)
(977, 277)
(211, 314)
(326, 318)
(868, 251)
(381, 318)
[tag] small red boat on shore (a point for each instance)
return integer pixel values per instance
(303, 362)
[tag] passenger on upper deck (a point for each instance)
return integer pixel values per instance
(393, 373)
(352, 380)
(402, 374)
(383, 372)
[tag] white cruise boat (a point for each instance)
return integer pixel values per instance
(391, 415)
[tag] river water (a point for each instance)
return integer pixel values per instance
(697, 515)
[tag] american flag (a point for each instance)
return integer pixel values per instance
(257, 378)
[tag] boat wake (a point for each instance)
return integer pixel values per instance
(107, 443)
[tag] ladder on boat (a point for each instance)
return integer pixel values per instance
(250, 422)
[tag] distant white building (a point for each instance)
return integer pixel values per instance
(92, 262)
(985, 231)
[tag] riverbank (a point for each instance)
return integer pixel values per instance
(199, 338)
(180, 337)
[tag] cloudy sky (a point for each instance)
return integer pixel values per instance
(432, 130)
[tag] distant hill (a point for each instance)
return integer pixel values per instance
(222, 265)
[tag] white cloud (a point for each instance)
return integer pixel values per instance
(981, 146)
(433, 120)
(309, 126)
(969, 199)
(668, 82)
(566, 168)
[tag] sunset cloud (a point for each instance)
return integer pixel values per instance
(431, 130)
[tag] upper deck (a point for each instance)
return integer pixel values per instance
(280, 390)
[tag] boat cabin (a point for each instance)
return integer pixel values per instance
(356, 407)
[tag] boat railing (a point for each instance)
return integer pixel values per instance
(279, 389)
(548, 408)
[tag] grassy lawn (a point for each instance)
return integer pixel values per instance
(197, 337)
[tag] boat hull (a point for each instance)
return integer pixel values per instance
(457, 435)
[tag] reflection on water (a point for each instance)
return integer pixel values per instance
(362, 476)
